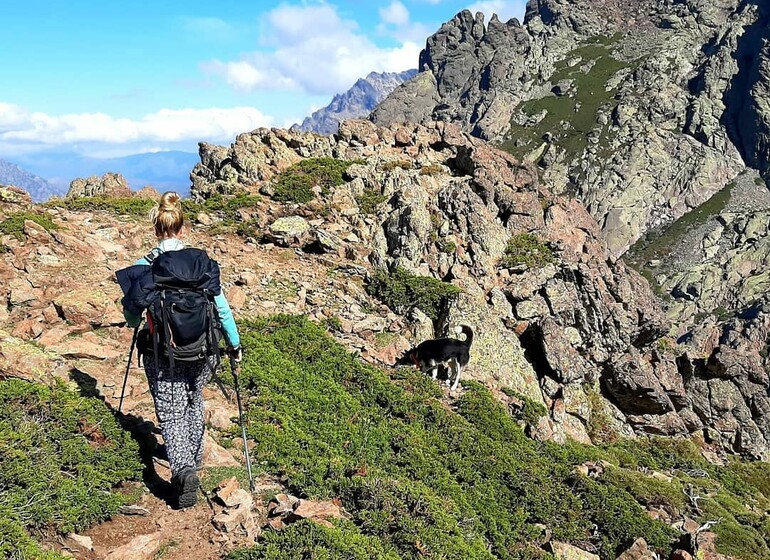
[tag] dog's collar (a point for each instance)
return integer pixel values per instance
(414, 359)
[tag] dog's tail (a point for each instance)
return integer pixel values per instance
(468, 332)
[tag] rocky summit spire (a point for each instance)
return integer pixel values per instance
(643, 109)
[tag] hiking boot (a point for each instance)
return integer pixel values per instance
(187, 484)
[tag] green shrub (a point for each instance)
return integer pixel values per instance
(530, 411)
(310, 540)
(397, 164)
(223, 207)
(227, 207)
(527, 249)
(418, 479)
(333, 324)
(402, 290)
(620, 517)
(16, 544)
(666, 345)
(61, 454)
(369, 200)
(129, 205)
(296, 183)
(421, 480)
(600, 425)
(14, 223)
(448, 247)
(432, 169)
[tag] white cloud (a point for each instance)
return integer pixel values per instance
(23, 130)
(505, 10)
(395, 22)
(310, 48)
(395, 13)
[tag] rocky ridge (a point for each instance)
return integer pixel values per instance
(561, 333)
(643, 111)
(355, 103)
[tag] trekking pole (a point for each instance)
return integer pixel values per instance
(235, 368)
(128, 366)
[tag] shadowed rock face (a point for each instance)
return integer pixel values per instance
(643, 110)
(559, 332)
(750, 115)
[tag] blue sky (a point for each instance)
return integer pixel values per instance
(114, 78)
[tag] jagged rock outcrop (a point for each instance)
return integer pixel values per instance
(581, 333)
(725, 374)
(14, 195)
(644, 110)
(355, 103)
(109, 184)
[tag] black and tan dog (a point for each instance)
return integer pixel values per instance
(431, 354)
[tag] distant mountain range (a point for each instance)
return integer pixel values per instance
(37, 187)
(162, 170)
(48, 174)
(355, 103)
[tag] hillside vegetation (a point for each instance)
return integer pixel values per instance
(423, 479)
(61, 456)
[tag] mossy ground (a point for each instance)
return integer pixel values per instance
(130, 206)
(61, 455)
(423, 481)
(570, 118)
(224, 208)
(660, 244)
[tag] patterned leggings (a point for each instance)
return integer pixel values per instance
(179, 407)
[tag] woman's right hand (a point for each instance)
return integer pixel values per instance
(235, 353)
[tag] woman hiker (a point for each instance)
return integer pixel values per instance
(176, 384)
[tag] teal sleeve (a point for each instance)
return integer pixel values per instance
(227, 320)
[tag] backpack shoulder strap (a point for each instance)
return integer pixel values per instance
(150, 257)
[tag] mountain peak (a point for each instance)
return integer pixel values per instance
(37, 187)
(357, 102)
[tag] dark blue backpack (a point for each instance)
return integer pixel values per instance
(183, 322)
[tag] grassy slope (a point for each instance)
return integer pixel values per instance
(422, 480)
(570, 118)
(60, 456)
(659, 245)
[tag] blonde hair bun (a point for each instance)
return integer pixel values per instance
(167, 216)
(169, 201)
